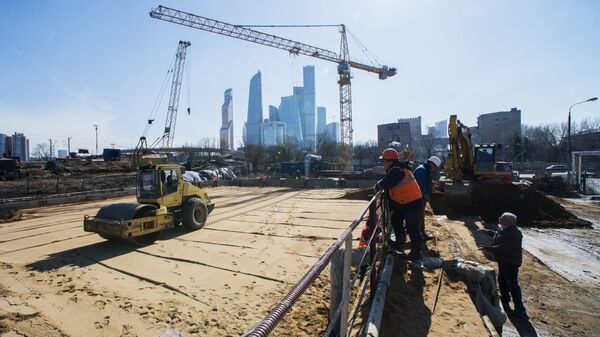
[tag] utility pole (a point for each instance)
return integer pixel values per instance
(50, 155)
(96, 127)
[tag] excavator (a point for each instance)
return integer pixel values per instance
(164, 200)
(468, 167)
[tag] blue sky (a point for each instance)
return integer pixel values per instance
(67, 65)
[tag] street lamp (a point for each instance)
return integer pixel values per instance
(569, 134)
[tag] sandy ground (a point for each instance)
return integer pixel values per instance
(218, 281)
(56, 280)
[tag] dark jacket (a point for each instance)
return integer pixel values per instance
(423, 176)
(507, 246)
(393, 178)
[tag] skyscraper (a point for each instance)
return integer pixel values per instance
(255, 112)
(273, 133)
(274, 114)
(289, 112)
(321, 120)
(20, 146)
(308, 116)
(3, 145)
(226, 131)
(333, 131)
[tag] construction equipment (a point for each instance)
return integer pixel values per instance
(164, 200)
(468, 165)
(142, 153)
(295, 48)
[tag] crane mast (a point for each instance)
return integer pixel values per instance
(294, 48)
(169, 133)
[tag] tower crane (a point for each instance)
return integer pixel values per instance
(295, 48)
(169, 133)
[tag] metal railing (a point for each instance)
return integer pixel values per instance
(368, 277)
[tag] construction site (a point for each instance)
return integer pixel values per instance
(170, 240)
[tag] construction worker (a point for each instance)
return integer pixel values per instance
(423, 175)
(405, 201)
(507, 249)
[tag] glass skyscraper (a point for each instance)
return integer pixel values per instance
(321, 120)
(308, 113)
(226, 131)
(289, 112)
(255, 112)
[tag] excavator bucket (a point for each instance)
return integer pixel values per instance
(458, 194)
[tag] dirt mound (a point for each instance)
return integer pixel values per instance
(555, 186)
(532, 207)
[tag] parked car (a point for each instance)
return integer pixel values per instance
(557, 168)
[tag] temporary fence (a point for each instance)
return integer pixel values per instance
(343, 320)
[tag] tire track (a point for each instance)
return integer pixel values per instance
(145, 279)
(241, 246)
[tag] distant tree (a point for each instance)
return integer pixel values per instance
(428, 144)
(42, 151)
(327, 148)
(366, 153)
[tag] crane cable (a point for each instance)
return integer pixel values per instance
(372, 59)
(188, 66)
(159, 98)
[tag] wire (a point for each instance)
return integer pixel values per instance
(188, 66)
(159, 98)
(363, 48)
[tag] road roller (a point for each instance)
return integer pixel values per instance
(164, 200)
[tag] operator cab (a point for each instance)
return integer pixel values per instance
(485, 158)
(153, 183)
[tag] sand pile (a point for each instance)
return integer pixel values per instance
(533, 208)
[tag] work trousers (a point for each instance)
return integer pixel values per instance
(411, 218)
(508, 280)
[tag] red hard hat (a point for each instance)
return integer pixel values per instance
(389, 154)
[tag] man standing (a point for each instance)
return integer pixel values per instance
(405, 200)
(508, 252)
(423, 175)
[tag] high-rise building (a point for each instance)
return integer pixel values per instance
(308, 116)
(393, 132)
(289, 112)
(20, 146)
(274, 114)
(3, 150)
(321, 120)
(226, 131)
(439, 129)
(503, 128)
(333, 131)
(255, 112)
(273, 133)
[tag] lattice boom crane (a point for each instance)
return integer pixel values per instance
(169, 133)
(295, 48)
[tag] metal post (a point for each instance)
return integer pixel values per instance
(346, 283)
(372, 247)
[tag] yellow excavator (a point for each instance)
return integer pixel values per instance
(164, 200)
(467, 167)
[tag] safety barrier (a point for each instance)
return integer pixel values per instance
(368, 276)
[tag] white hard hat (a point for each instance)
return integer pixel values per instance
(437, 161)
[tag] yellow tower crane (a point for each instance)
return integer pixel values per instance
(242, 32)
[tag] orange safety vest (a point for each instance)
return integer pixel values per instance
(407, 190)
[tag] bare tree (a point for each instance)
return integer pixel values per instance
(327, 148)
(42, 151)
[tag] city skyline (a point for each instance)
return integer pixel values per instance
(467, 59)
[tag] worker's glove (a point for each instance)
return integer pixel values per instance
(377, 186)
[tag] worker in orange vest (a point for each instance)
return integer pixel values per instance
(404, 202)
